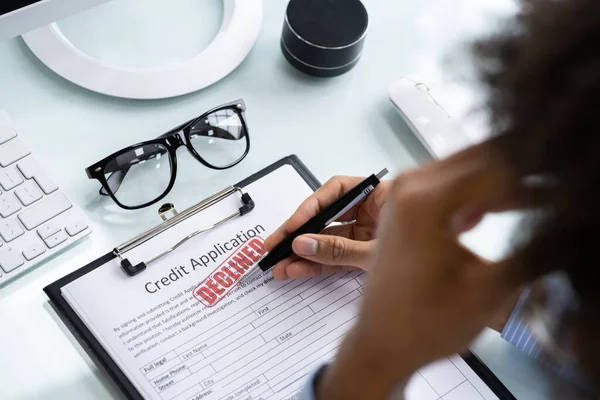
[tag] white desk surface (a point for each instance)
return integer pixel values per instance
(344, 125)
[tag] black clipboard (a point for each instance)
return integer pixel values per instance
(101, 357)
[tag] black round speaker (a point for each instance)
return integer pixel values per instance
(324, 37)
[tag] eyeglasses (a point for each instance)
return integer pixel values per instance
(143, 174)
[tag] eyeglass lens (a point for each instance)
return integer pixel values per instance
(140, 175)
(219, 138)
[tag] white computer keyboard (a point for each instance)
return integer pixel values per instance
(37, 220)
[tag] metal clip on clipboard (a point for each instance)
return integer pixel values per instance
(164, 211)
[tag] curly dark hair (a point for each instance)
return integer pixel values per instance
(542, 74)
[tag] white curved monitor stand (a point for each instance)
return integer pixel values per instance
(238, 33)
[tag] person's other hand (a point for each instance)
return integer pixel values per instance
(427, 296)
(345, 246)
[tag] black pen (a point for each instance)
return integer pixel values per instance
(317, 223)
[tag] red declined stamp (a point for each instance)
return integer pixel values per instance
(227, 275)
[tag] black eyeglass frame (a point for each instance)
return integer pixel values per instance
(171, 141)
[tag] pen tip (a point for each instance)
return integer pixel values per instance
(383, 173)
(253, 271)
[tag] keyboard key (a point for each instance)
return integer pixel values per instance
(43, 211)
(31, 169)
(10, 259)
(33, 251)
(76, 227)
(8, 205)
(47, 230)
(10, 230)
(28, 193)
(33, 209)
(12, 151)
(9, 178)
(56, 239)
(7, 131)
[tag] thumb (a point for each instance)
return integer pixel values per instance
(333, 250)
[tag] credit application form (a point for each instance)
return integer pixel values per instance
(183, 330)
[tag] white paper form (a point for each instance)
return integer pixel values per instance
(259, 341)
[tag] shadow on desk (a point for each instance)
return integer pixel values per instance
(390, 119)
(103, 210)
(97, 385)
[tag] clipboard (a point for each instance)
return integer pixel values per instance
(102, 358)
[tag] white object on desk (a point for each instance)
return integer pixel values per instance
(439, 114)
(37, 220)
(238, 33)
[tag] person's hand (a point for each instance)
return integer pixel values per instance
(346, 246)
(427, 296)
